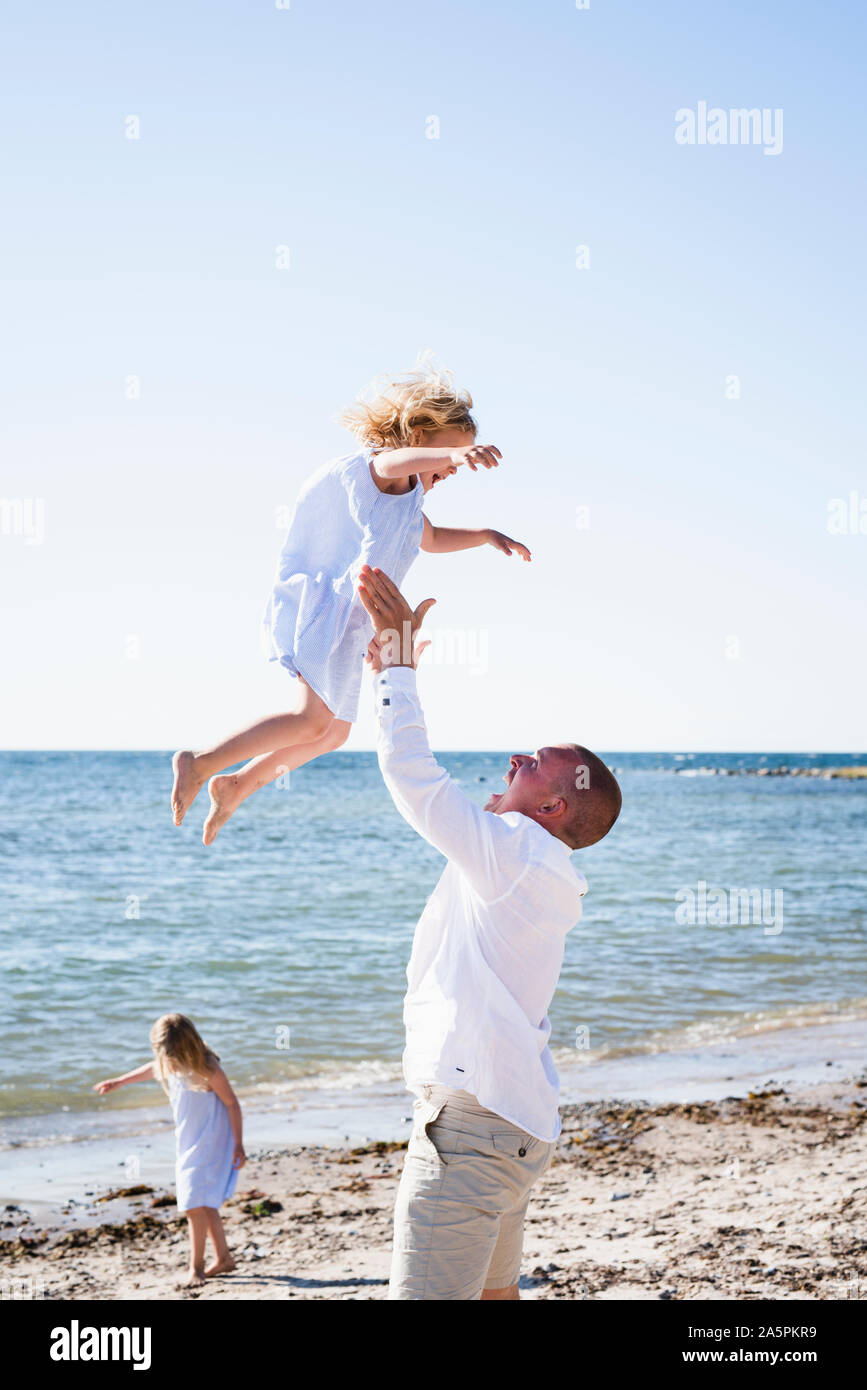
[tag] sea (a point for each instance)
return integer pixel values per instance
(722, 946)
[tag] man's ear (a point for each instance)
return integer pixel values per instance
(552, 806)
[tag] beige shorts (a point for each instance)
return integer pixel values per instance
(459, 1219)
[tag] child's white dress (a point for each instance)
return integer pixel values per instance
(315, 623)
(205, 1174)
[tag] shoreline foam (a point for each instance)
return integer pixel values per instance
(63, 1174)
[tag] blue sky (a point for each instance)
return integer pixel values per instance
(707, 605)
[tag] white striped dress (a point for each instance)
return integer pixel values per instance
(315, 624)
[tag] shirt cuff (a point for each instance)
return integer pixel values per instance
(386, 686)
(395, 678)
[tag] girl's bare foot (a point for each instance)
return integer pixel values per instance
(194, 1280)
(225, 794)
(186, 783)
(223, 1266)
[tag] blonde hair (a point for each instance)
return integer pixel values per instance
(178, 1048)
(392, 407)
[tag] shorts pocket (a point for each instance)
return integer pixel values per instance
(514, 1143)
(421, 1145)
(452, 1141)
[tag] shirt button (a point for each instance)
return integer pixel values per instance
(522, 1153)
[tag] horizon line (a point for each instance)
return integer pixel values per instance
(614, 752)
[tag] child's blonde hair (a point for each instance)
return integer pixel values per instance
(392, 407)
(179, 1048)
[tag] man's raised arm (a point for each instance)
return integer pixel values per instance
(422, 791)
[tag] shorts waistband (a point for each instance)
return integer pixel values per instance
(463, 1101)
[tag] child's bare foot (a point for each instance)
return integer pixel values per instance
(223, 1266)
(225, 794)
(194, 1280)
(186, 785)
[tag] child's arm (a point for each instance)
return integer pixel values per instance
(402, 463)
(441, 540)
(145, 1073)
(220, 1084)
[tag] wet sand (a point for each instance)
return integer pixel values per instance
(758, 1197)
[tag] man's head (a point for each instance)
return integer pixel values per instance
(564, 788)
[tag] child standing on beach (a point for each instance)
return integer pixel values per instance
(362, 509)
(208, 1130)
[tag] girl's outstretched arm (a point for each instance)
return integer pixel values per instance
(145, 1073)
(220, 1084)
(440, 540)
(403, 463)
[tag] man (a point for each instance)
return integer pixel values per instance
(485, 962)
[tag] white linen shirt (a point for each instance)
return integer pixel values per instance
(488, 948)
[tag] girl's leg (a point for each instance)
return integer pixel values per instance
(223, 1264)
(227, 792)
(310, 721)
(197, 1223)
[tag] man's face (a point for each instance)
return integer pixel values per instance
(532, 778)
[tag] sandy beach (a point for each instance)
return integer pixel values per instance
(757, 1197)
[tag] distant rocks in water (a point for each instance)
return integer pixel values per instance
(481, 779)
(849, 774)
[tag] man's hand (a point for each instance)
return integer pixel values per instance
(507, 545)
(477, 456)
(395, 624)
(374, 656)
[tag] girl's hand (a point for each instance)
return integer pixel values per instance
(240, 1157)
(476, 456)
(507, 545)
(374, 655)
(102, 1087)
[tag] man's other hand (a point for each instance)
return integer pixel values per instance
(395, 624)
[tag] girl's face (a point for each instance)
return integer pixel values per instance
(452, 438)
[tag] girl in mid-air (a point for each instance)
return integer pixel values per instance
(208, 1132)
(362, 509)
